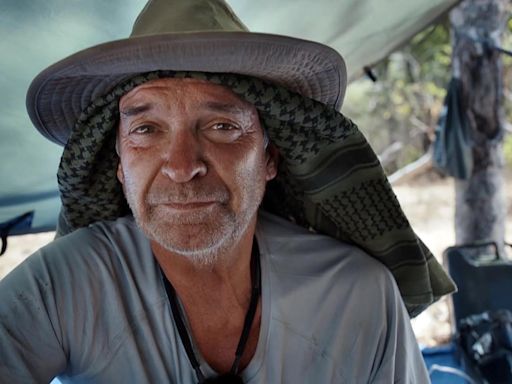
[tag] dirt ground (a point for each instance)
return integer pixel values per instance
(427, 202)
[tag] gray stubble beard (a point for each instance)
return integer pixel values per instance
(223, 236)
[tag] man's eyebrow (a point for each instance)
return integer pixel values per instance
(135, 110)
(223, 107)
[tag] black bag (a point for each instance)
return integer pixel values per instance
(453, 153)
(485, 341)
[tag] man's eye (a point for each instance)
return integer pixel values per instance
(222, 132)
(223, 127)
(143, 129)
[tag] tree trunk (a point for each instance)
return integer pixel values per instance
(477, 26)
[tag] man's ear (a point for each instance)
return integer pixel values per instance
(272, 161)
(120, 174)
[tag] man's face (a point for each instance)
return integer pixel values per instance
(192, 164)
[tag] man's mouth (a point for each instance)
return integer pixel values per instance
(188, 205)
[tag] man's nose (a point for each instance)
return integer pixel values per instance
(183, 158)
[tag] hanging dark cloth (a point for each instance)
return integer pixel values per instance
(453, 153)
(23, 221)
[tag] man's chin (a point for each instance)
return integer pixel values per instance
(201, 244)
(201, 257)
(201, 237)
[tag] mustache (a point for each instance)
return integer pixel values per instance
(183, 194)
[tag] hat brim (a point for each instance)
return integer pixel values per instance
(58, 95)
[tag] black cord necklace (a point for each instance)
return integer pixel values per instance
(232, 376)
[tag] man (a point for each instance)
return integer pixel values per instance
(170, 271)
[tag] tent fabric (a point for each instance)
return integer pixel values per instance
(37, 34)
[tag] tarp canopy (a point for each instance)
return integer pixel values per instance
(35, 34)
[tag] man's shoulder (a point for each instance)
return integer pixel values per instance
(90, 247)
(295, 249)
(327, 292)
(106, 233)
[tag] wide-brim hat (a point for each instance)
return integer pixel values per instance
(178, 35)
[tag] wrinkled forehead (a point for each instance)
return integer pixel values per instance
(189, 92)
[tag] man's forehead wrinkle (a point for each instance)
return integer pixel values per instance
(221, 106)
(184, 87)
(199, 95)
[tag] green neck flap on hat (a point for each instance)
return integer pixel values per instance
(329, 179)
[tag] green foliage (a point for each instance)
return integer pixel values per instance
(403, 105)
(507, 150)
(405, 102)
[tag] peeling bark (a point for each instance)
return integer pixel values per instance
(477, 26)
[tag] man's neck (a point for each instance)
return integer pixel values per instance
(229, 274)
(216, 300)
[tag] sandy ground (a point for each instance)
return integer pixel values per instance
(429, 205)
(19, 247)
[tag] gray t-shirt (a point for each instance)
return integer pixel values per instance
(91, 307)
